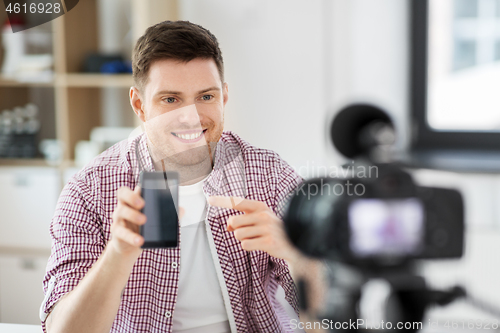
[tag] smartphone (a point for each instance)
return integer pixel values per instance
(160, 191)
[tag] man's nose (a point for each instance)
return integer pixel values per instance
(189, 115)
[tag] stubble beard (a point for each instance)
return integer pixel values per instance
(196, 157)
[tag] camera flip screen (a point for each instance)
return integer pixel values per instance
(386, 227)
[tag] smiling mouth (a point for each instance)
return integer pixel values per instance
(189, 136)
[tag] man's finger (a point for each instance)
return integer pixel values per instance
(243, 205)
(252, 244)
(239, 221)
(131, 215)
(137, 189)
(129, 197)
(249, 232)
(128, 236)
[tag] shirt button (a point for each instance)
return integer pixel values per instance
(168, 314)
(174, 265)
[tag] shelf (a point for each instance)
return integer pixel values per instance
(95, 80)
(23, 162)
(9, 82)
(24, 251)
(34, 162)
(76, 80)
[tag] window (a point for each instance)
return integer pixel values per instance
(456, 79)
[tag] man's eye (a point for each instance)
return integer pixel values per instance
(207, 97)
(170, 99)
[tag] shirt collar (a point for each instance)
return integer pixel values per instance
(139, 157)
(228, 175)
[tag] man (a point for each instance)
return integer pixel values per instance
(233, 252)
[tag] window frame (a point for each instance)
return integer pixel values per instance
(424, 139)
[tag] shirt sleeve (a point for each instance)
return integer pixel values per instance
(288, 182)
(77, 242)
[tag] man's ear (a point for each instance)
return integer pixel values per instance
(225, 93)
(137, 103)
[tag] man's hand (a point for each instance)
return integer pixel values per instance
(127, 218)
(258, 229)
(93, 304)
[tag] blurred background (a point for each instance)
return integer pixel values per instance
(290, 65)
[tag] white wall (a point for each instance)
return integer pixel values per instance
(274, 62)
(370, 63)
(291, 64)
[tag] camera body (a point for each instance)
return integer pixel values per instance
(375, 215)
(379, 219)
(373, 222)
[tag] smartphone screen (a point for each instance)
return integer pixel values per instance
(160, 193)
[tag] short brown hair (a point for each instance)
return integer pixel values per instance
(178, 40)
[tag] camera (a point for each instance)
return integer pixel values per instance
(371, 223)
(376, 215)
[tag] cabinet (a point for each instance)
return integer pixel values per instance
(28, 196)
(21, 292)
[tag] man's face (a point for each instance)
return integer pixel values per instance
(182, 107)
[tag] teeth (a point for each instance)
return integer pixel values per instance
(188, 136)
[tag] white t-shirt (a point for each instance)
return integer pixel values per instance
(200, 305)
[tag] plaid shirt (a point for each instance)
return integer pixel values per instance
(81, 225)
